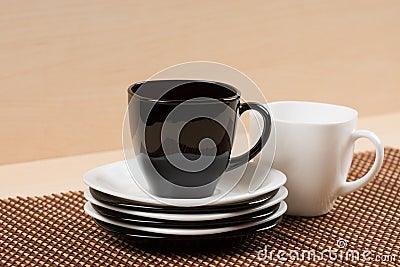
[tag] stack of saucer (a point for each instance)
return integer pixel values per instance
(119, 205)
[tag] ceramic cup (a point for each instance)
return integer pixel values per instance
(314, 148)
(182, 132)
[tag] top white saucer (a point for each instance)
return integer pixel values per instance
(115, 179)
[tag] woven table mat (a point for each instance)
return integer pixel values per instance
(54, 230)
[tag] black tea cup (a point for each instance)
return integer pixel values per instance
(182, 133)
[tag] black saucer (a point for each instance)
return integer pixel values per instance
(137, 235)
(138, 206)
(153, 222)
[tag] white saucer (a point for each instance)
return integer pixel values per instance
(115, 179)
(187, 231)
(280, 196)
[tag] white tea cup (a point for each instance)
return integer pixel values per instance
(314, 148)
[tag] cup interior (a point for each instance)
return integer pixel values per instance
(311, 112)
(182, 90)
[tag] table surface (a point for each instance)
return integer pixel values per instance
(64, 174)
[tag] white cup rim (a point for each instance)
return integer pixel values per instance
(346, 115)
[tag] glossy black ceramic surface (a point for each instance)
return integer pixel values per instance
(152, 222)
(140, 236)
(201, 118)
(137, 206)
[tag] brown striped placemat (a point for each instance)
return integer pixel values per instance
(54, 230)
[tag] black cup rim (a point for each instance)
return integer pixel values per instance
(148, 99)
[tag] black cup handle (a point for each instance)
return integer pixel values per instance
(249, 155)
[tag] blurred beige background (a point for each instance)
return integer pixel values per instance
(66, 65)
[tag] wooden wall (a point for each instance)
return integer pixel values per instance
(65, 65)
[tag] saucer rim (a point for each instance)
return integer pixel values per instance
(128, 204)
(123, 217)
(141, 236)
(182, 202)
(184, 232)
(280, 196)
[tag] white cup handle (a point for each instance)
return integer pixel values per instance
(349, 187)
